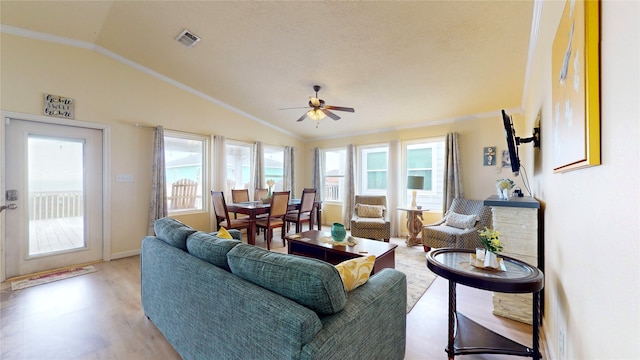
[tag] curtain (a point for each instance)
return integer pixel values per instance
(452, 187)
(289, 182)
(318, 173)
(158, 205)
(258, 166)
(394, 186)
(219, 168)
(349, 186)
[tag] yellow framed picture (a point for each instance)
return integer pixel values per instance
(576, 87)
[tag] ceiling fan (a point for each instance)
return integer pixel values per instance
(319, 110)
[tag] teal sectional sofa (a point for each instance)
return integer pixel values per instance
(215, 298)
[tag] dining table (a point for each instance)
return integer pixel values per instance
(255, 208)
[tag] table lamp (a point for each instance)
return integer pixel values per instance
(415, 183)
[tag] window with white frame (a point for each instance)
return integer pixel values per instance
(374, 169)
(238, 164)
(185, 166)
(274, 166)
(425, 157)
(334, 174)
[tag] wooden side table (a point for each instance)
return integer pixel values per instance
(414, 225)
(468, 337)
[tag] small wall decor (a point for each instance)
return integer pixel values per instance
(489, 156)
(575, 88)
(506, 160)
(59, 106)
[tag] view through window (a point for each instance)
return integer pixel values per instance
(185, 165)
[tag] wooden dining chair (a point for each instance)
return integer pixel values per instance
(222, 214)
(304, 214)
(238, 196)
(260, 194)
(277, 212)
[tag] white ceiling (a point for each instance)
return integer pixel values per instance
(397, 63)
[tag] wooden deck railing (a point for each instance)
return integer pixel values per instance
(54, 205)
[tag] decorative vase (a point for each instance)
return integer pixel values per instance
(338, 232)
(490, 260)
(505, 194)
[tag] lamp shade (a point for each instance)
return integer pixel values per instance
(415, 182)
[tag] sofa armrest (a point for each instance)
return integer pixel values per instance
(371, 326)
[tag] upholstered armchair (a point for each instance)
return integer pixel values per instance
(370, 219)
(459, 226)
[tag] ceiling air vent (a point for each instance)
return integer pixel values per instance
(187, 38)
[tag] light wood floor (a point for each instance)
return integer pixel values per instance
(98, 316)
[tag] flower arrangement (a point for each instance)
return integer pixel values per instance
(489, 238)
(503, 184)
(270, 184)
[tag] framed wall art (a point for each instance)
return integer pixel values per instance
(576, 88)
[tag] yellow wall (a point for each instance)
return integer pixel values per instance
(109, 92)
(591, 216)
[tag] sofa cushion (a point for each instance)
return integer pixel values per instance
(355, 272)
(210, 248)
(312, 283)
(460, 221)
(371, 223)
(370, 211)
(173, 232)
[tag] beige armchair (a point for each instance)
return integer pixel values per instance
(459, 226)
(370, 218)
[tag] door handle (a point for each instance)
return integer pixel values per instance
(10, 207)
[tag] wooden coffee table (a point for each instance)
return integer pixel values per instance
(308, 244)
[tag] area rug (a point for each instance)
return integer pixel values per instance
(412, 262)
(51, 277)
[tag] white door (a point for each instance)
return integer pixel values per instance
(54, 177)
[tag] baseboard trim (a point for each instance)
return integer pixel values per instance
(125, 254)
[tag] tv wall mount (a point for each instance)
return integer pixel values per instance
(535, 138)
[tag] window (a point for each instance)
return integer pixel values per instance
(335, 161)
(425, 158)
(274, 166)
(185, 159)
(239, 165)
(374, 167)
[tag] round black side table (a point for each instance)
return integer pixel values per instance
(465, 335)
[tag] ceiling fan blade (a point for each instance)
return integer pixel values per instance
(340, 108)
(330, 114)
(302, 117)
(292, 108)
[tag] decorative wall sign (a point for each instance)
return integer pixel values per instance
(59, 106)
(575, 87)
(489, 156)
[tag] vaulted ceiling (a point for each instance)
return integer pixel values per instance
(397, 63)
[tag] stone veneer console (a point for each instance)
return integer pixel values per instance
(517, 221)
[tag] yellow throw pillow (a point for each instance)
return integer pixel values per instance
(355, 272)
(224, 234)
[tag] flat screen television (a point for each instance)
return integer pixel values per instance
(510, 134)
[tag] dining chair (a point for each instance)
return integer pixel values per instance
(277, 212)
(260, 194)
(238, 196)
(222, 214)
(304, 214)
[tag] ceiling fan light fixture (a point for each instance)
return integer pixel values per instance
(316, 114)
